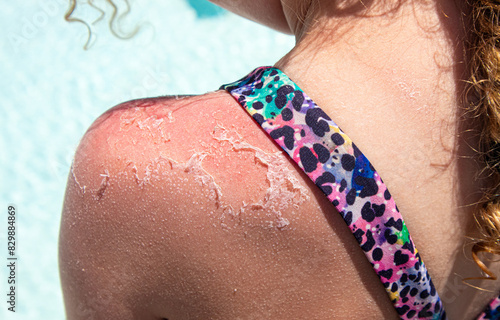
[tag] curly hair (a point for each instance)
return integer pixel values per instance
(484, 93)
(113, 20)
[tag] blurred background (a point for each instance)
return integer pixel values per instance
(52, 89)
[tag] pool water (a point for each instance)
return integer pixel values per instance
(52, 89)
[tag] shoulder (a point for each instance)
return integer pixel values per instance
(174, 204)
(208, 137)
(151, 180)
(176, 128)
(159, 123)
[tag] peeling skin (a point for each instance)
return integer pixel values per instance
(151, 168)
(149, 112)
(282, 223)
(82, 188)
(193, 165)
(104, 184)
(140, 182)
(283, 188)
(170, 116)
(152, 121)
(229, 218)
(408, 90)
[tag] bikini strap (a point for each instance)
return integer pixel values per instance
(492, 311)
(334, 163)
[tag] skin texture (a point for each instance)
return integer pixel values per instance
(134, 234)
(182, 208)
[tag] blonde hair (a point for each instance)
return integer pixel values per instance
(113, 21)
(484, 50)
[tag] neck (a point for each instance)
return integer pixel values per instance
(392, 77)
(413, 37)
(406, 58)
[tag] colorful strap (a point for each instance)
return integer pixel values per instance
(492, 311)
(344, 174)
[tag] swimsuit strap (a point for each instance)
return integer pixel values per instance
(334, 163)
(492, 311)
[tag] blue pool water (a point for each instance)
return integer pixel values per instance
(52, 90)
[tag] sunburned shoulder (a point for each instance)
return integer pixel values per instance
(181, 207)
(209, 137)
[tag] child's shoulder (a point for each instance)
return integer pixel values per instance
(212, 127)
(165, 189)
(146, 142)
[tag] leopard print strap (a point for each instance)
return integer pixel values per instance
(334, 163)
(492, 311)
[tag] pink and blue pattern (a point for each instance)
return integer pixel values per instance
(492, 311)
(334, 163)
